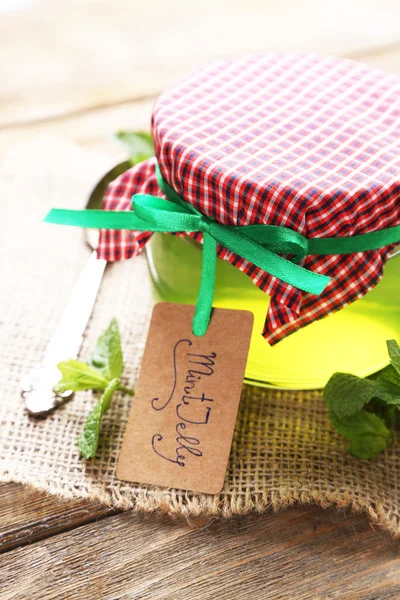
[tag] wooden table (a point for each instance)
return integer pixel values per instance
(81, 70)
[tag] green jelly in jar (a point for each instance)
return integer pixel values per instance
(351, 340)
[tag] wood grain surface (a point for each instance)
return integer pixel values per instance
(300, 553)
(27, 515)
(82, 70)
(59, 57)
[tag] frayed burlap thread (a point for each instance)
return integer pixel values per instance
(284, 450)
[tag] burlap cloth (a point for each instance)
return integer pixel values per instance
(284, 450)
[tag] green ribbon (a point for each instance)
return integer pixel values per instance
(261, 245)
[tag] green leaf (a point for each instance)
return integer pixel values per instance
(394, 354)
(77, 376)
(388, 412)
(346, 394)
(388, 374)
(139, 145)
(107, 355)
(89, 438)
(387, 384)
(366, 431)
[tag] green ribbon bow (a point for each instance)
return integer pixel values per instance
(259, 244)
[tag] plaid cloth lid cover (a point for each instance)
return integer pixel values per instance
(306, 142)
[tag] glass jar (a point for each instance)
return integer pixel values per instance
(351, 340)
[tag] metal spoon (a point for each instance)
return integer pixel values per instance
(37, 386)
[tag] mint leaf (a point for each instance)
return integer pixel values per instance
(387, 375)
(346, 394)
(387, 384)
(89, 438)
(394, 354)
(77, 376)
(107, 356)
(369, 430)
(139, 145)
(387, 412)
(366, 431)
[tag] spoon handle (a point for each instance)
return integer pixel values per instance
(37, 385)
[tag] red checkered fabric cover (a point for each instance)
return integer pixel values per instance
(306, 142)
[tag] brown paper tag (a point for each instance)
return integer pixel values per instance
(184, 410)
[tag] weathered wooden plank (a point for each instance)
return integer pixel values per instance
(27, 515)
(300, 553)
(60, 57)
(387, 58)
(92, 129)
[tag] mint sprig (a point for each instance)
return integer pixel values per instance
(89, 438)
(78, 376)
(363, 410)
(139, 145)
(346, 394)
(367, 433)
(394, 354)
(107, 355)
(102, 372)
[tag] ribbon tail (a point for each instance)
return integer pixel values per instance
(268, 261)
(356, 243)
(207, 284)
(97, 219)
